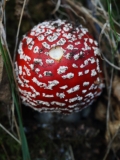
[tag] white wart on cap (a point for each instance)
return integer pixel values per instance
(58, 68)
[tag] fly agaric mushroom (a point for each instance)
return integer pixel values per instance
(58, 68)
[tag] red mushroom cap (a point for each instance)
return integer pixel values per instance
(58, 67)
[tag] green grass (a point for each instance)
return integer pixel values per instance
(9, 70)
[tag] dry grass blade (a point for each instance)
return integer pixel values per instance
(1, 60)
(78, 6)
(71, 152)
(10, 133)
(110, 144)
(56, 7)
(5, 151)
(18, 30)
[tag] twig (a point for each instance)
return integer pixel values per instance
(18, 30)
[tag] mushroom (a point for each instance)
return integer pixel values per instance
(58, 67)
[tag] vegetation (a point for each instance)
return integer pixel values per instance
(26, 134)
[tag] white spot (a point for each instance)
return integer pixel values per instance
(91, 40)
(96, 43)
(28, 40)
(80, 35)
(82, 66)
(88, 101)
(87, 47)
(79, 98)
(66, 28)
(90, 95)
(70, 47)
(64, 87)
(62, 69)
(68, 36)
(40, 84)
(62, 41)
(40, 37)
(47, 73)
(101, 85)
(52, 38)
(48, 32)
(73, 99)
(92, 60)
(84, 91)
(72, 106)
(32, 33)
(25, 80)
(74, 65)
(20, 82)
(60, 95)
(80, 73)
(73, 38)
(48, 95)
(37, 70)
(51, 84)
(25, 57)
(76, 57)
(16, 68)
(67, 56)
(39, 61)
(95, 93)
(33, 89)
(68, 75)
(58, 29)
(43, 103)
(98, 66)
(77, 43)
(49, 61)
(56, 53)
(96, 51)
(30, 46)
(86, 83)
(85, 39)
(20, 50)
(86, 71)
(74, 89)
(86, 62)
(93, 72)
(20, 70)
(40, 30)
(92, 87)
(84, 30)
(36, 49)
(40, 76)
(46, 45)
(27, 70)
(32, 66)
(57, 103)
